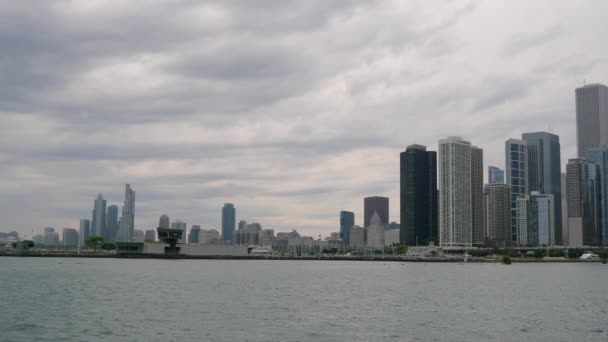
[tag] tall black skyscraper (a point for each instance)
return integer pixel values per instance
(375, 204)
(418, 196)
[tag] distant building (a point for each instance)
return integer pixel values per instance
(544, 172)
(516, 155)
(495, 175)
(228, 222)
(599, 156)
(477, 227)
(392, 225)
(265, 237)
(536, 219)
(181, 226)
(194, 234)
(111, 223)
(242, 224)
(591, 117)
(249, 235)
(583, 189)
(391, 237)
(375, 204)
(497, 204)
(138, 235)
(127, 220)
(69, 238)
(209, 237)
(50, 237)
(150, 235)
(565, 227)
(375, 232)
(164, 222)
(98, 223)
(347, 221)
(357, 237)
(418, 195)
(85, 230)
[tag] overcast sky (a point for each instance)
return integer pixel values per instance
(291, 110)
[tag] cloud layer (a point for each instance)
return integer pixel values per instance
(291, 110)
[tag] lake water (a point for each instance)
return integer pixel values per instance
(63, 299)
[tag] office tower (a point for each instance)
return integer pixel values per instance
(127, 220)
(111, 223)
(591, 117)
(497, 207)
(228, 222)
(375, 232)
(150, 235)
(98, 223)
(458, 170)
(418, 196)
(164, 222)
(582, 184)
(69, 238)
(181, 226)
(347, 221)
(85, 230)
(477, 227)
(375, 204)
(357, 237)
(599, 156)
(495, 175)
(544, 172)
(516, 155)
(521, 215)
(536, 220)
(242, 224)
(564, 211)
(194, 234)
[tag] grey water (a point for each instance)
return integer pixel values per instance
(64, 299)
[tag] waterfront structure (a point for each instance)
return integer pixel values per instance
(150, 235)
(418, 196)
(495, 175)
(347, 221)
(127, 220)
(375, 232)
(164, 222)
(375, 204)
(111, 223)
(209, 237)
(591, 117)
(497, 207)
(458, 164)
(228, 222)
(582, 178)
(98, 223)
(516, 155)
(544, 172)
(564, 201)
(69, 238)
(180, 226)
(194, 234)
(357, 237)
(85, 230)
(599, 156)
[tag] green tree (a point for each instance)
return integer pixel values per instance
(94, 242)
(538, 253)
(401, 249)
(108, 246)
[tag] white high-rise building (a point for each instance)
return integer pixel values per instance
(127, 220)
(375, 232)
(458, 164)
(591, 117)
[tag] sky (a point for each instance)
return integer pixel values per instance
(291, 110)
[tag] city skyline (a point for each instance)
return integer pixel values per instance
(291, 143)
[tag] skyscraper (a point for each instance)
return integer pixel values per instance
(194, 235)
(228, 222)
(544, 173)
(591, 117)
(599, 156)
(164, 222)
(111, 223)
(516, 155)
(127, 220)
(477, 227)
(582, 179)
(495, 175)
(85, 230)
(418, 196)
(375, 204)
(459, 164)
(98, 224)
(347, 221)
(565, 227)
(497, 206)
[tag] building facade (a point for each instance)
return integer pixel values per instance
(583, 183)
(98, 223)
(375, 232)
(181, 226)
(599, 156)
(591, 117)
(69, 238)
(150, 235)
(164, 222)
(375, 204)
(127, 220)
(497, 206)
(495, 175)
(194, 234)
(418, 196)
(347, 221)
(477, 221)
(85, 230)
(111, 223)
(228, 222)
(516, 161)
